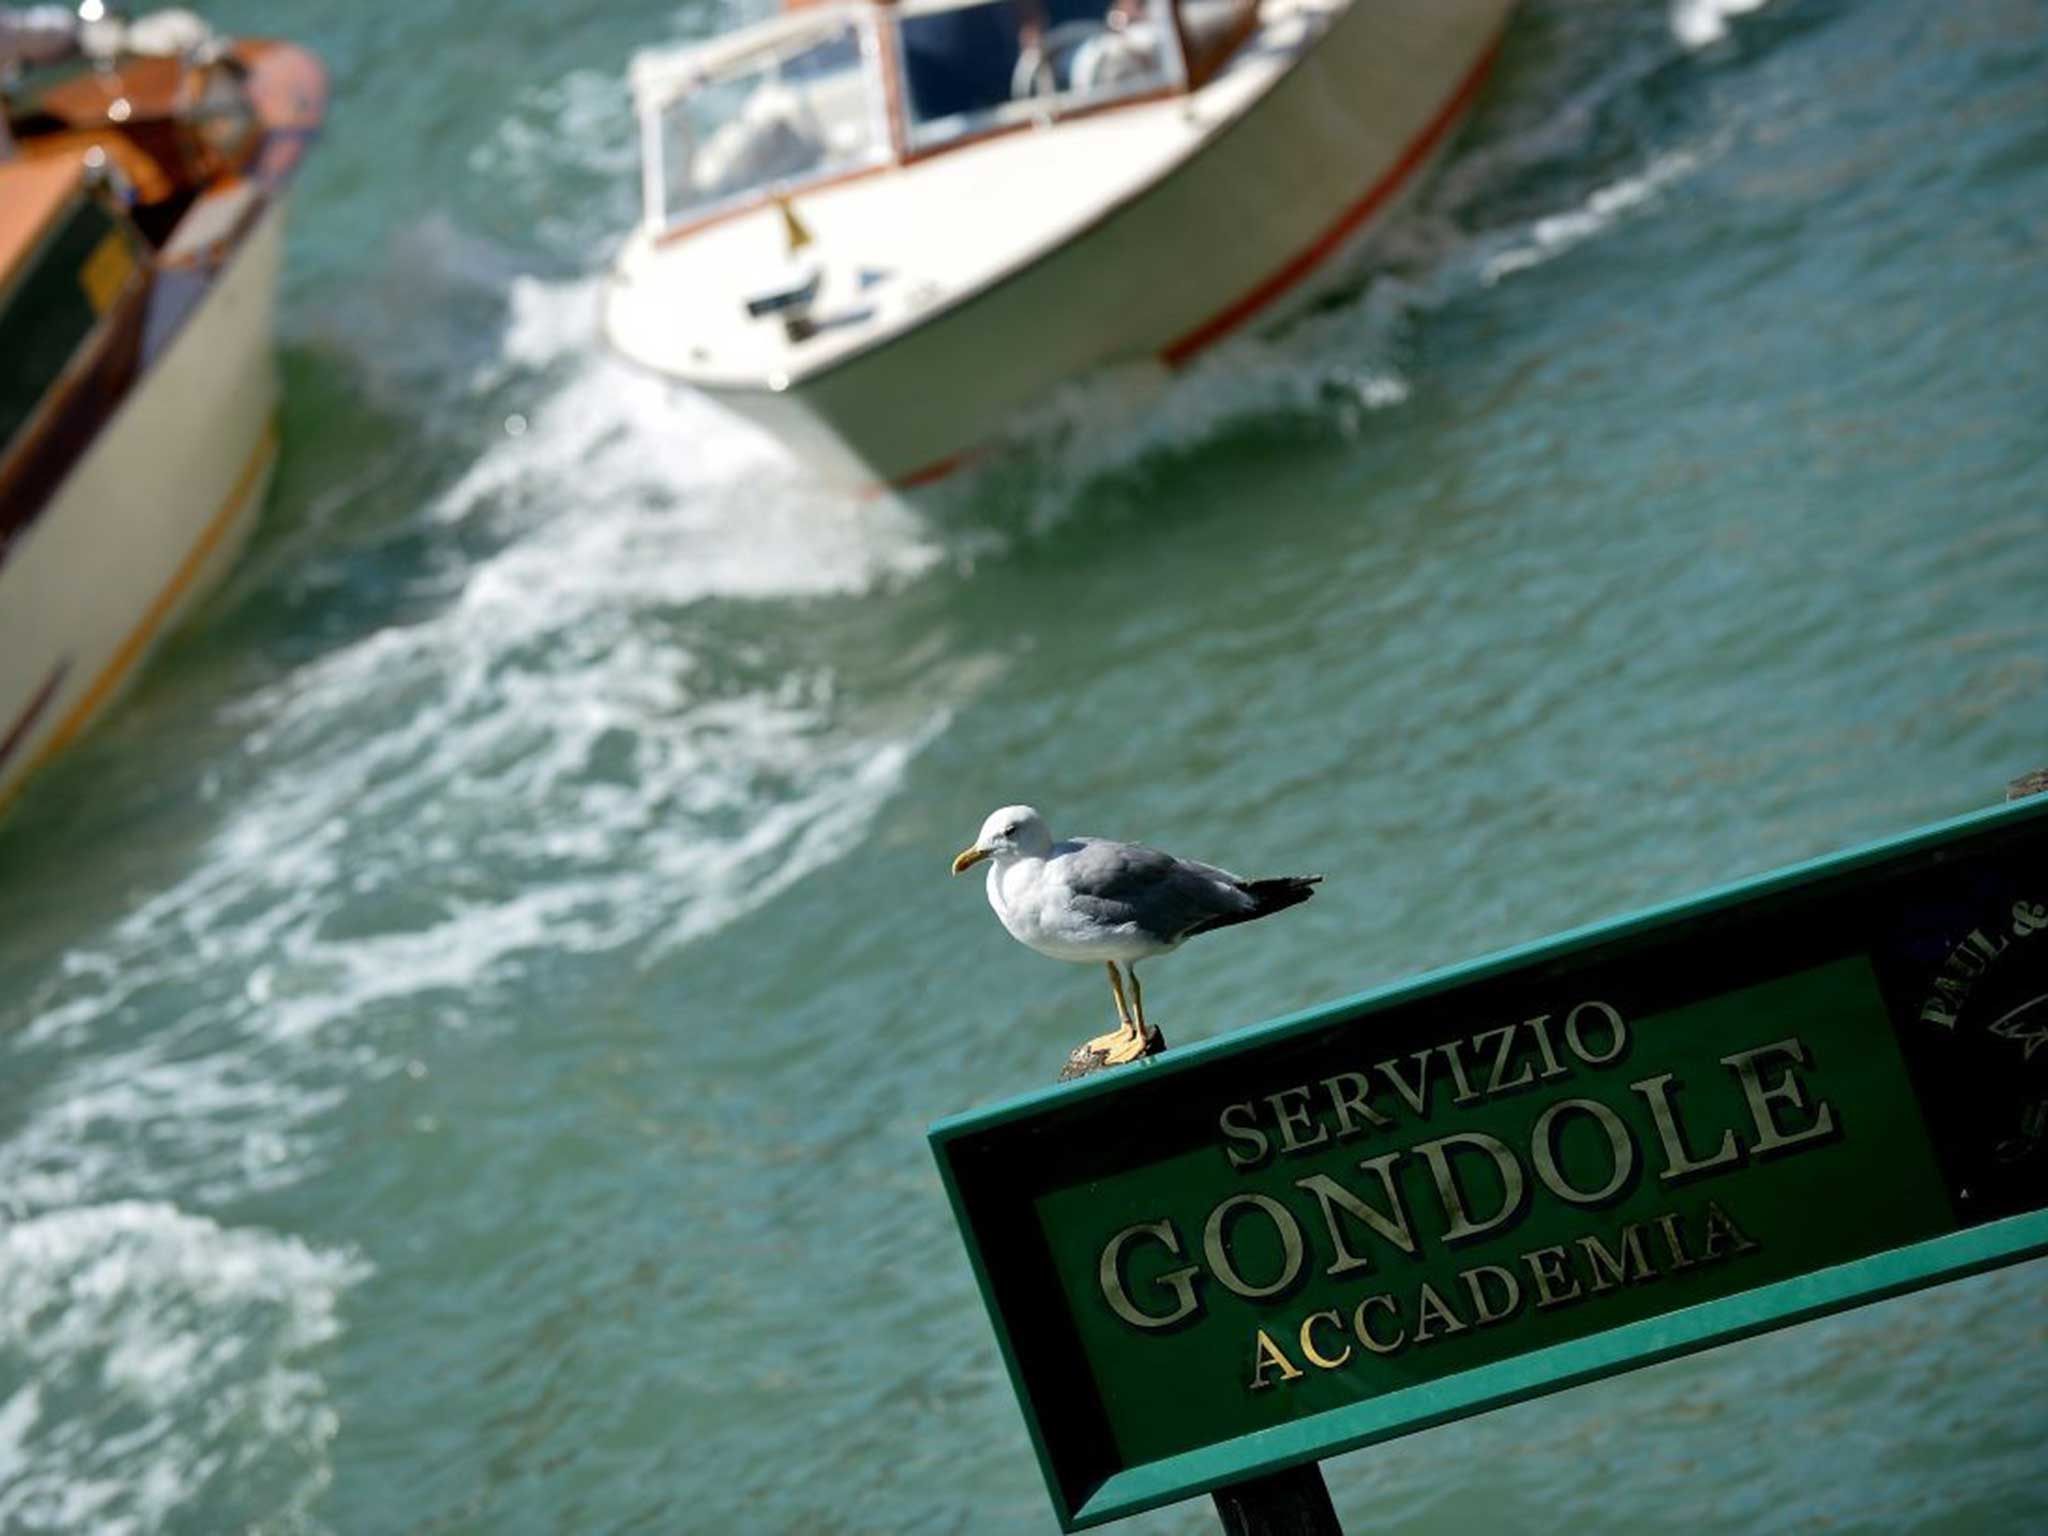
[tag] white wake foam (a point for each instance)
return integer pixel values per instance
(1343, 361)
(1702, 23)
(566, 757)
(160, 1361)
(1554, 234)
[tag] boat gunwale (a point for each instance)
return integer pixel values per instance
(781, 190)
(272, 164)
(674, 80)
(799, 376)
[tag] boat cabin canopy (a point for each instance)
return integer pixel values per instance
(832, 90)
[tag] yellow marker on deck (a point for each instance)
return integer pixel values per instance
(792, 226)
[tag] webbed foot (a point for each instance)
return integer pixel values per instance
(1127, 1048)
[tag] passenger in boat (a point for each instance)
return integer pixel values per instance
(972, 59)
(1124, 54)
(961, 60)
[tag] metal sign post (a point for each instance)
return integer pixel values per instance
(1781, 1099)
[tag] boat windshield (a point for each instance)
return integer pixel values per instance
(793, 100)
(973, 65)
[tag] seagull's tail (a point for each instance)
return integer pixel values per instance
(1268, 897)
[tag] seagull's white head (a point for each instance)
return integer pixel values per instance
(1016, 831)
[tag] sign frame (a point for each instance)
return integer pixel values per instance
(1081, 1498)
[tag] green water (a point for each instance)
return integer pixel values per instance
(469, 1020)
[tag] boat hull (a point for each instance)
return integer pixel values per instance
(147, 520)
(1280, 196)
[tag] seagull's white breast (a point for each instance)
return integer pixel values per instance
(1037, 908)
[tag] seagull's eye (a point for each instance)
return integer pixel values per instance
(1011, 829)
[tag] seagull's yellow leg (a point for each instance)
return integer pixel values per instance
(1132, 1048)
(1109, 1044)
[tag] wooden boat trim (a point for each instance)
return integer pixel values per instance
(288, 92)
(137, 641)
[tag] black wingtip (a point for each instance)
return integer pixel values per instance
(1268, 897)
(1285, 891)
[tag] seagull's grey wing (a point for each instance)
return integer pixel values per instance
(1113, 883)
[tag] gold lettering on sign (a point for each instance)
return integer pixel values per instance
(1248, 1133)
(1720, 1235)
(1610, 1019)
(1354, 1216)
(1679, 1163)
(1959, 975)
(1548, 1269)
(1590, 1266)
(1362, 1329)
(1433, 1316)
(1540, 1028)
(1309, 1351)
(1499, 1080)
(1621, 1148)
(1266, 1356)
(1770, 1135)
(1501, 1060)
(1295, 1119)
(1463, 1226)
(1674, 1240)
(1417, 1097)
(1608, 1271)
(1561, 1157)
(1353, 1102)
(1223, 1265)
(1465, 1094)
(1474, 1281)
(1179, 1281)
(1332, 1197)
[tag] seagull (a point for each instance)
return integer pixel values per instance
(1088, 898)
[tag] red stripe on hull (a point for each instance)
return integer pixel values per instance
(1297, 269)
(931, 474)
(1220, 325)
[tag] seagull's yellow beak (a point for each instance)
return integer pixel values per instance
(968, 858)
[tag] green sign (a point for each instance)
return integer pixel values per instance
(1777, 1100)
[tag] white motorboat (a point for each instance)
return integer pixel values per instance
(142, 200)
(883, 230)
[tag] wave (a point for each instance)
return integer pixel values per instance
(564, 756)
(1702, 23)
(163, 1362)
(1475, 224)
